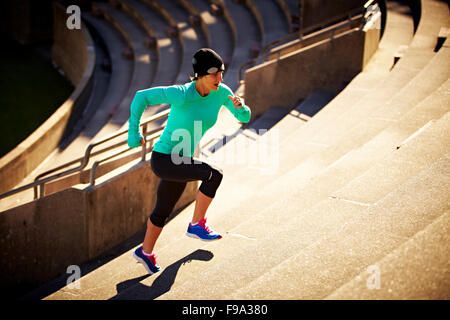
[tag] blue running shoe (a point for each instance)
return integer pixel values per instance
(201, 231)
(149, 261)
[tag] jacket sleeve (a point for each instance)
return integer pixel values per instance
(144, 98)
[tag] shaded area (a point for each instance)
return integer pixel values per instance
(31, 90)
(162, 284)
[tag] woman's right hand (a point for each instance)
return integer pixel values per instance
(134, 139)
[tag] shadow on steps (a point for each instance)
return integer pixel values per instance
(133, 289)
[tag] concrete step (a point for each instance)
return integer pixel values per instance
(284, 222)
(315, 102)
(431, 77)
(434, 15)
(269, 119)
(102, 78)
(416, 270)
(340, 108)
(144, 66)
(323, 266)
(120, 76)
(245, 136)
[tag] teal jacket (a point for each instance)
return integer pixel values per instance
(191, 115)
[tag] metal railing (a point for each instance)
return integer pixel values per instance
(39, 181)
(356, 15)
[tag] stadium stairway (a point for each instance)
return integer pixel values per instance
(359, 185)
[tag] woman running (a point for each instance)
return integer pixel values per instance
(194, 109)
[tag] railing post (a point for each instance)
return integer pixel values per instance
(144, 145)
(92, 176)
(41, 190)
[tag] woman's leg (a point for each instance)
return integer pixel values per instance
(174, 178)
(167, 196)
(202, 203)
(151, 235)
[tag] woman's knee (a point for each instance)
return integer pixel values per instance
(216, 176)
(158, 219)
(210, 185)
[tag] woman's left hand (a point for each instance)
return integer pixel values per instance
(236, 101)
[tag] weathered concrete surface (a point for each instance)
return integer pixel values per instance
(320, 12)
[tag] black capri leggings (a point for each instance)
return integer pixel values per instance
(174, 178)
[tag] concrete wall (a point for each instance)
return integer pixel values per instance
(327, 65)
(69, 50)
(311, 38)
(320, 12)
(74, 52)
(39, 240)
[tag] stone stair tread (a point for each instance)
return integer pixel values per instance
(315, 102)
(268, 119)
(321, 267)
(416, 270)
